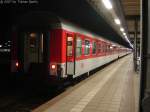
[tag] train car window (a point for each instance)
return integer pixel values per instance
(111, 48)
(87, 47)
(78, 46)
(69, 46)
(32, 39)
(99, 48)
(108, 48)
(94, 48)
(104, 47)
(33, 47)
(41, 44)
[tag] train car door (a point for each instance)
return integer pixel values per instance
(70, 55)
(33, 51)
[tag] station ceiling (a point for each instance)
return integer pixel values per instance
(131, 7)
(132, 14)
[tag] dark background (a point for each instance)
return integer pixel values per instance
(76, 11)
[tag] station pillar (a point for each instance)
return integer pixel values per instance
(145, 67)
(136, 44)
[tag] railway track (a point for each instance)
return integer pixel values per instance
(27, 99)
(23, 101)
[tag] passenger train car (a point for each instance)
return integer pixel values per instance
(57, 49)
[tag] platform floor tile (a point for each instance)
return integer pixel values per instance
(113, 89)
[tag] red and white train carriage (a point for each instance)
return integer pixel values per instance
(55, 48)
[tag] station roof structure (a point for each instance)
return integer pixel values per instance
(132, 12)
(89, 14)
(83, 13)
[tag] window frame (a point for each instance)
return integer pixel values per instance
(99, 46)
(85, 47)
(95, 47)
(71, 46)
(78, 36)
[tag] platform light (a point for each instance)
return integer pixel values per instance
(131, 45)
(126, 37)
(107, 4)
(0, 46)
(121, 29)
(117, 21)
(128, 40)
(124, 34)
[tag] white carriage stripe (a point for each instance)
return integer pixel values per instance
(85, 100)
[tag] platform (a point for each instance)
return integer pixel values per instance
(113, 89)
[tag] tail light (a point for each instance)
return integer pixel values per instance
(17, 64)
(53, 69)
(53, 66)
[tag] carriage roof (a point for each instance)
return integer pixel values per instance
(46, 20)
